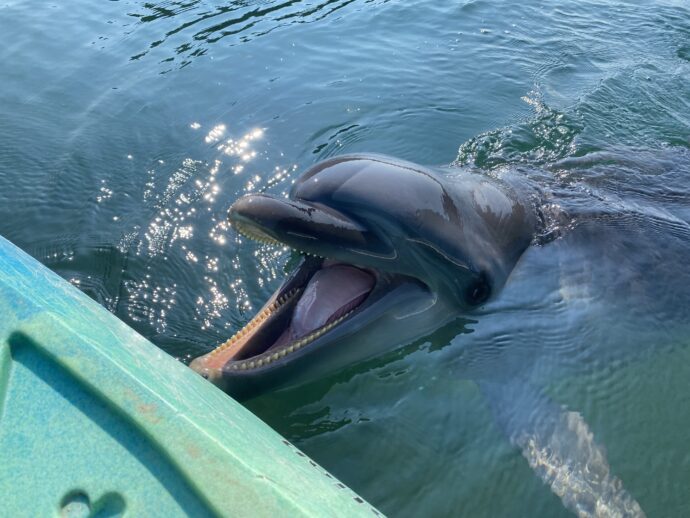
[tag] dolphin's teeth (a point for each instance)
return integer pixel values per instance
(260, 318)
(294, 346)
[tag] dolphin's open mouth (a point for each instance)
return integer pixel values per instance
(317, 297)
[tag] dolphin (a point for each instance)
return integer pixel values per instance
(391, 252)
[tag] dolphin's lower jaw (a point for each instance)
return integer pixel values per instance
(306, 314)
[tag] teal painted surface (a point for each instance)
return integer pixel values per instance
(95, 419)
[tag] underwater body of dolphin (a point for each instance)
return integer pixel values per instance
(408, 251)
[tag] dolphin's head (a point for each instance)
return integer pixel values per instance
(393, 252)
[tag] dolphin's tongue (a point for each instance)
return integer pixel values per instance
(331, 292)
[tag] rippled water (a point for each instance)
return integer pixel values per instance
(127, 128)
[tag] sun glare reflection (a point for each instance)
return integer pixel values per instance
(189, 232)
(215, 134)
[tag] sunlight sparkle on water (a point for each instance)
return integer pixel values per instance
(215, 134)
(177, 228)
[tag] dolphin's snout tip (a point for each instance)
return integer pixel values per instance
(256, 205)
(211, 374)
(197, 365)
(240, 206)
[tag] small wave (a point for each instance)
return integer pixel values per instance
(201, 26)
(546, 137)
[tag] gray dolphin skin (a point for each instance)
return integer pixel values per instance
(393, 251)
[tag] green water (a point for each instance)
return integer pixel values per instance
(127, 128)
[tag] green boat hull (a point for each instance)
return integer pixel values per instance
(97, 421)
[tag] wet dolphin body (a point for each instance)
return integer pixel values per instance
(397, 252)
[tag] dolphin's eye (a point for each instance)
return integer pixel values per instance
(479, 290)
